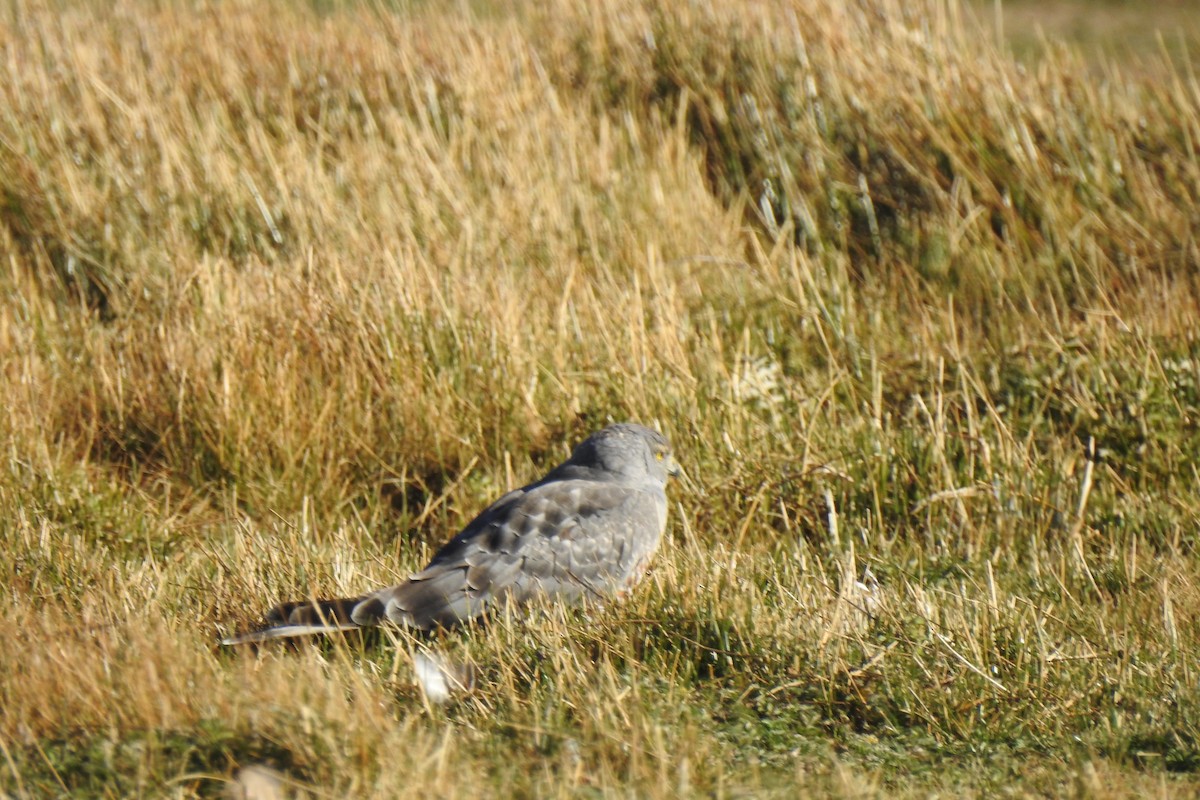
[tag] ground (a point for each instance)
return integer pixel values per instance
(290, 293)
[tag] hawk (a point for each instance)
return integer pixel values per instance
(586, 531)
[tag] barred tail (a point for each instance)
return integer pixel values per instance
(289, 620)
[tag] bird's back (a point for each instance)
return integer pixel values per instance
(566, 539)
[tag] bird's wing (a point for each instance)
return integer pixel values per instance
(567, 539)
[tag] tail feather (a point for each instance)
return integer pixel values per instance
(314, 612)
(441, 597)
(306, 618)
(286, 632)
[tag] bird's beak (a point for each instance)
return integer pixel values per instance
(673, 469)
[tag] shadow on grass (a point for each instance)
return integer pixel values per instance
(148, 762)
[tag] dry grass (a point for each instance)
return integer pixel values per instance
(288, 296)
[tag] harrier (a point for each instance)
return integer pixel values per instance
(587, 530)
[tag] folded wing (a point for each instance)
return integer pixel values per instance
(568, 539)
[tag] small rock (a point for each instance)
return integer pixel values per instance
(259, 782)
(440, 679)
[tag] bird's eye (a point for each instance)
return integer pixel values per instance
(659, 455)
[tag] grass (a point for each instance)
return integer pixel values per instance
(290, 294)
(1131, 35)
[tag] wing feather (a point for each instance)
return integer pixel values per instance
(564, 539)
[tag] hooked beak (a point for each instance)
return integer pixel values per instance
(673, 469)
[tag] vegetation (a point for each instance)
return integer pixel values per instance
(289, 294)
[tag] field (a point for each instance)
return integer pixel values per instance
(289, 293)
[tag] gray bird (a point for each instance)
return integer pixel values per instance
(587, 530)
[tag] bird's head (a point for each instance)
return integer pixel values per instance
(628, 450)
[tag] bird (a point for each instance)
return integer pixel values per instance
(584, 532)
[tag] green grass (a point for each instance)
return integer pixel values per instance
(288, 296)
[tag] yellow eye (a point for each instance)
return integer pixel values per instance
(659, 456)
